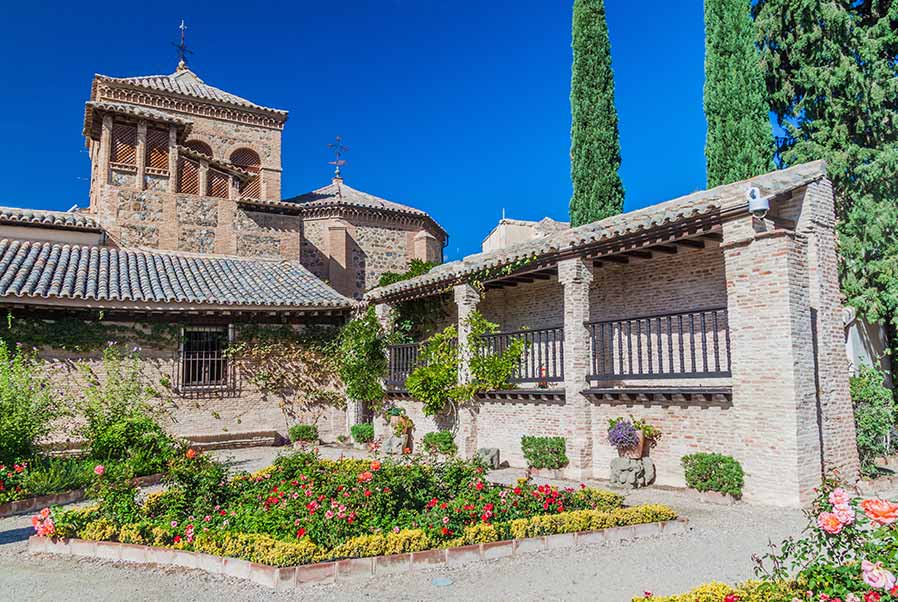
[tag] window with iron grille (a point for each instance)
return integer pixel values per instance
(248, 159)
(188, 176)
(204, 362)
(124, 144)
(217, 184)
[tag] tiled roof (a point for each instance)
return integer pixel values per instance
(337, 193)
(54, 219)
(92, 127)
(187, 83)
(42, 270)
(222, 165)
(655, 216)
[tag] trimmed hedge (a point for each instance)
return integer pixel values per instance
(440, 442)
(713, 472)
(304, 432)
(750, 591)
(362, 432)
(544, 452)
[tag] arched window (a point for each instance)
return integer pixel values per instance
(200, 147)
(248, 160)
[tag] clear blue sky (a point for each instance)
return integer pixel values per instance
(458, 108)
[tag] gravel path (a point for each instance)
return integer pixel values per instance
(718, 547)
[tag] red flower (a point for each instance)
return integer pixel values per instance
(731, 598)
(177, 538)
(375, 466)
(191, 454)
(479, 486)
(367, 493)
(365, 477)
(300, 533)
(444, 531)
(872, 596)
(407, 451)
(517, 491)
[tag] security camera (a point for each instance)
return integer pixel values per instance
(758, 205)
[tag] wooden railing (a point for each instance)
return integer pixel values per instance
(543, 357)
(678, 345)
(402, 360)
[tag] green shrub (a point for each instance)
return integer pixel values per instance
(27, 405)
(874, 416)
(46, 476)
(440, 442)
(713, 472)
(544, 452)
(304, 432)
(362, 432)
(120, 421)
(751, 591)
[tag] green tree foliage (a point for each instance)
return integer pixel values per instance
(27, 405)
(874, 416)
(739, 143)
(595, 147)
(832, 81)
(363, 359)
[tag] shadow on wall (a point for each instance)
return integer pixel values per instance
(866, 344)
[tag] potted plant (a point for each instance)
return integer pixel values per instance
(632, 438)
(303, 435)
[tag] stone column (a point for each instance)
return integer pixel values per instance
(575, 275)
(140, 179)
(466, 298)
(172, 159)
(105, 147)
(773, 420)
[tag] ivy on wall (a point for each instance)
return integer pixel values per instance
(417, 319)
(76, 335)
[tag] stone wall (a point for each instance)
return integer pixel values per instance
(246, 409)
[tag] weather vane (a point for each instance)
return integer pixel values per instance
(338, 149)
(182, 47)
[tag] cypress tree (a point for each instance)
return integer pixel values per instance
(595, 147)
(739, 143)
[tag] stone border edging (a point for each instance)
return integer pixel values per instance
(32, 504)
(288, 578)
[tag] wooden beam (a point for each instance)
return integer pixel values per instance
(639, 254)
(521, 279)
(716, 236)
(540, 276)
(667, 249)
(597, 264)
(616, 259)
(690, 243)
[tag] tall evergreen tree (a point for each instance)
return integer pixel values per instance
(739, 143)
(595, 147)
(832, 78)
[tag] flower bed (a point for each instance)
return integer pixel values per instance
(847, 553)
(305, 510)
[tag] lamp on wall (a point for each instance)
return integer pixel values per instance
(758, 205)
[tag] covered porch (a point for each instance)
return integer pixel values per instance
(719, 327)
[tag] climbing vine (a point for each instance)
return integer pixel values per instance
(418, 318)
(435, 381)
(300, 366)
(362, 357)
(479, 277)
(73, 334)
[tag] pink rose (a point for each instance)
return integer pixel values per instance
(830, 523)
(99, 469)
(877, 577)
(839, 497)
(845, 513)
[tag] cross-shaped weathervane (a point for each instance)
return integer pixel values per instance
(182, 46)
(338, 149)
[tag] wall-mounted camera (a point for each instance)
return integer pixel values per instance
(758, 205)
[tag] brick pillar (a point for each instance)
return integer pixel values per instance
(818, 224)
(338, 255)
(424, 244)
(203, 177)
(575, 275)
(773, 420)
(105, 148)
(466, 298)
(140, 180)
(172, 159)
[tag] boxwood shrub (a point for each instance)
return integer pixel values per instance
(544, 452)
(440, 442)
(304, 432)
(363, 432)
(713, 472)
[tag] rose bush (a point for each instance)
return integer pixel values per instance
(306, 507)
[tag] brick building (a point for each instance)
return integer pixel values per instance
(722, 328)
(187, 225)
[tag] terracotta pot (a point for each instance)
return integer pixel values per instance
(641, 450)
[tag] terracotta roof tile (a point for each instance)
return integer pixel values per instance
(40, 217)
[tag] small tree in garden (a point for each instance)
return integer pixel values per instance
(739, 143)
(595, 144)
(874, 416)
(363, 359)
(27, 404)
